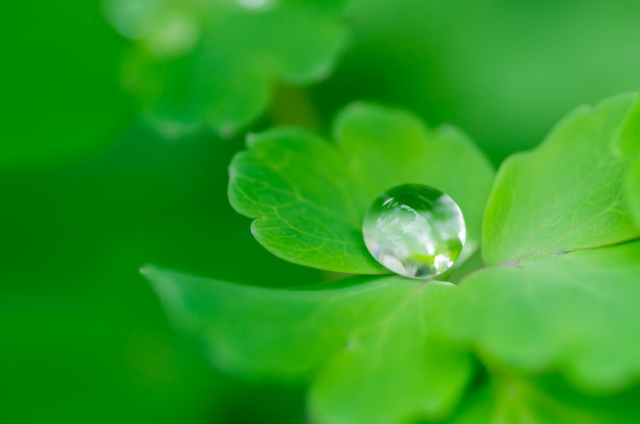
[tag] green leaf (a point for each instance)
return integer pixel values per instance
(564, 295)
(514, 400)
(576, 312)
(565, 195)
(633, 190)
(627, 139)
(309, 196)
(338, 338)
(213, 63)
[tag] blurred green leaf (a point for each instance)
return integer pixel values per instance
(516, 400)
(60, 95)
(309, 197)
(213, 63)
(565, 195)
(338, 337)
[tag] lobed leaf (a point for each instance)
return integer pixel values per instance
(212, 64)
(308, 197)
(565, 195)
(367, 349)
(576, 312)
(566, 291)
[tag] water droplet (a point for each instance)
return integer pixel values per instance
(414, 230)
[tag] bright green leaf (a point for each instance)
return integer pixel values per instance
(367, 349)
(392, 372)
(212, 63)
(513, 400)
(576, 312)
(566, 292)
(565, 195)
(309, 196)
(633, 190)
(627, 139)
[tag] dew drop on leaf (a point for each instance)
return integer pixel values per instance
(414, 230)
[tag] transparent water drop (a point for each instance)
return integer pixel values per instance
(414, 230)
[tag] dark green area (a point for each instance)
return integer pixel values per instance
(59, 81)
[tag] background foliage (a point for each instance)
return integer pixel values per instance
(98, 178)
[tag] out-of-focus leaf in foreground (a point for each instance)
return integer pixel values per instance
(212, 63)
(309, 196)
(377, 331)
(558, 296)
(547, 400)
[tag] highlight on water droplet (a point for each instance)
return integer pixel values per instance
(414, 230)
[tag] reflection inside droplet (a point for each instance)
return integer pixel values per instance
(414, 230)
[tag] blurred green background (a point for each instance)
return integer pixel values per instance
(90, 192)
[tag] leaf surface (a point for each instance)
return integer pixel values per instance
(633, 190)
(577, 312)
(376, 332)
(309, 196)
(565, 195)
(566, 290)
(627, 140)
(212, 64)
